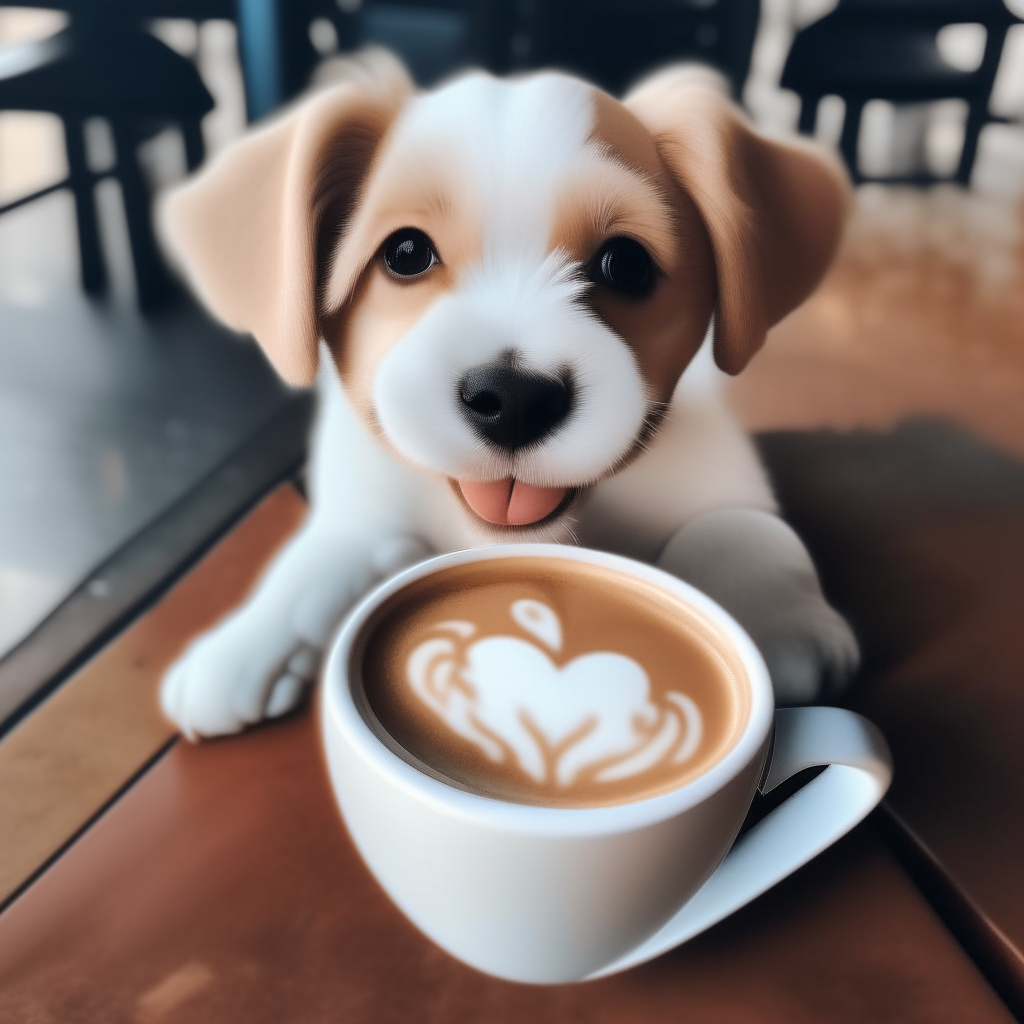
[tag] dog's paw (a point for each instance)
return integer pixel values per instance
(259, 662)
(810, 651)
(237, 674)
(757, 568)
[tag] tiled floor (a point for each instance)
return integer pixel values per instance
(106, 417)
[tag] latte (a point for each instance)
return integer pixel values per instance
(550, 682)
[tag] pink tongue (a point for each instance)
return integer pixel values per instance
(511, 502)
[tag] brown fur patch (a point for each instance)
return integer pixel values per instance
(632, 193)
(343, 163)
(774, 211)
(254, 228)
(372, 308)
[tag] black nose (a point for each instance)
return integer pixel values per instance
(512, 407)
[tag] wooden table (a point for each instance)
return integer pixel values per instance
(157, 882)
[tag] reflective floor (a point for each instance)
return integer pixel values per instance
(106, 417)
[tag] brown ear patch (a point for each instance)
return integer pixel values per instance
(774, 211)
(627, 191)
(367, 309)
(343, 164)
(378, 313)
(431, 199)
(253, 231)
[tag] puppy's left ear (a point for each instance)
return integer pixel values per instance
(254, 230)
(774, 211)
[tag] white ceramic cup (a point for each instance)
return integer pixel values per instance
(541, 894)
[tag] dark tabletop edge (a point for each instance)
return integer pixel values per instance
(982, 940)
(151, 561)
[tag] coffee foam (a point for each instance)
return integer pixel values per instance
(551, 682)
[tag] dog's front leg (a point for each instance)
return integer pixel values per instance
(757, 568)
(257, 662)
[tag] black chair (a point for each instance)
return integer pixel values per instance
(614, 43)
(107, 66)
(611, 42)
(886, 49)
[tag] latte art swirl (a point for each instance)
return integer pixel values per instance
(543, 682)
(589, 720)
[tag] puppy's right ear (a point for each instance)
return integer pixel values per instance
(774, 210)
(254, 231)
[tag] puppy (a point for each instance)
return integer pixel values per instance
(502, 288)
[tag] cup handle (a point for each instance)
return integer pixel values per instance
(858, 774)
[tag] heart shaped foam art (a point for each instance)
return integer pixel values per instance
(507, 696)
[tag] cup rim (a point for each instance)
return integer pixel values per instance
(342, 720)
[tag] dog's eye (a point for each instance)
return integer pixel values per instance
(409, 252)
(623, 264)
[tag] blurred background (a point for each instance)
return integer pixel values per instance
(133, 430)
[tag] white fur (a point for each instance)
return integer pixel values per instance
(372, 514)
(374, 511)
(526, 141)
(537, 315)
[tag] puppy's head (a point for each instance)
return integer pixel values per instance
(511, 275)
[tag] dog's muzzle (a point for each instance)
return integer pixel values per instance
(512, 408)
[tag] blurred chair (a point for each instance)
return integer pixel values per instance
(282, 41)
(611, 42)
(614, 43)
(103, 65)
(887, 49)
